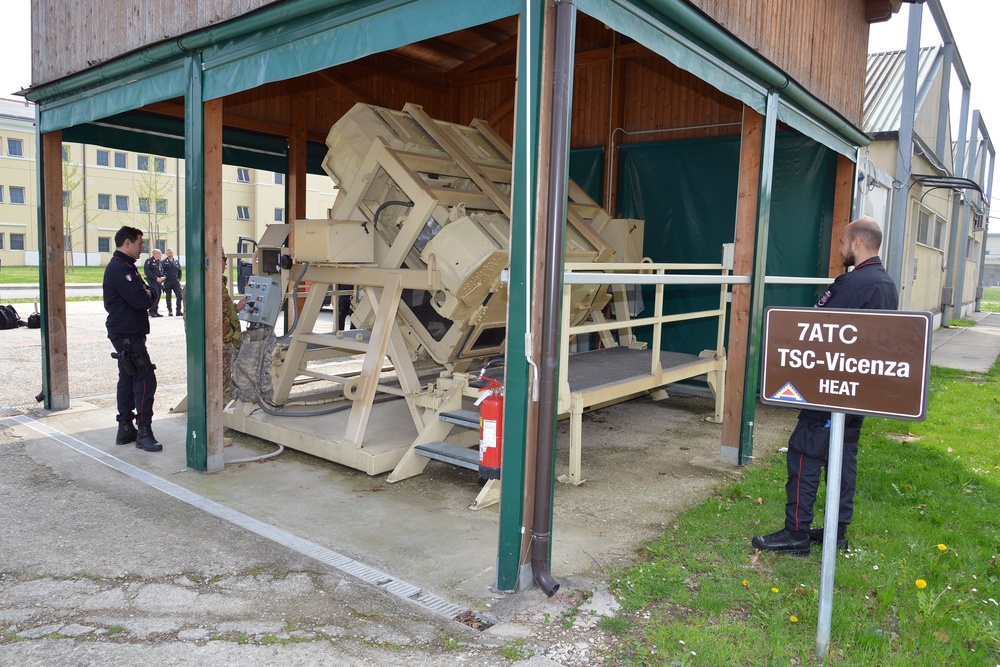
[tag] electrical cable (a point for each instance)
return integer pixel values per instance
(385, 205)
(320, 413)
(295, 293)
(254, 459)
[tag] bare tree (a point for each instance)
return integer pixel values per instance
(74, 208)
(153, 187)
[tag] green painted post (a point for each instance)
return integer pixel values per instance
(194, 195)
(522, 226)
(757, 283)
(43, 283)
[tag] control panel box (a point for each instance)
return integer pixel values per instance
(263, 295)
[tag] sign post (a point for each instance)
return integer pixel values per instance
(869, 362)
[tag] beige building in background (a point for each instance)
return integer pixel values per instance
(105, 188)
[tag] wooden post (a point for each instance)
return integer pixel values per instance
(745, 240)
(843, 196)
(213, 283)
(55, 272)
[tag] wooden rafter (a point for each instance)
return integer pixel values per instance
(387, 71)
(352, 90)
(174, 110)
(486, 57)
(582, 59)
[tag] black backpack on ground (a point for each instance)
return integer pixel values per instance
(34, 321)
(9, 319)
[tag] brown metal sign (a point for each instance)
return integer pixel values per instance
(868, 362)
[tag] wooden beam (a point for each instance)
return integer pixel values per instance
(489, 33)
(745, 241)
(173, 110)
(843, 197)
(352, 90)
(501, 111)
(55, 272)
(582, 59)
(486, 57)
(213, 283)
(437, 84)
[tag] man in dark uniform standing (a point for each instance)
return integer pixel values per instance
(153, 268)
(127, 300)
(173, 273)
(868, 286)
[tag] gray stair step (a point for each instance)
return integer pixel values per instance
(463, 457)
(466, 418)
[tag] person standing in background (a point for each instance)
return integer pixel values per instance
(153, 268)
(173, 274)
(127, 301)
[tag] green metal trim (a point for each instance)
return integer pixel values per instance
(194, 202)
(43, 282)
(163, 82)
(523, 207)
(338, 35)
(809, 126)
(756, 318)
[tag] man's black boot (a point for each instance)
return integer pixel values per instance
(126, 433)
(146, 440)
(784, 541)
(816, 535)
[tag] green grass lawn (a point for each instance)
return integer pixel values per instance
(920, 587)
(991, 299)
(10, 275)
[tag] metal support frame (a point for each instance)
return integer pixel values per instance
(755, 326)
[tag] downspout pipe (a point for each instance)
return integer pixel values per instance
(715, 36)
(548, 383)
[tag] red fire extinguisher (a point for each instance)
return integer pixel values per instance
(490, 429)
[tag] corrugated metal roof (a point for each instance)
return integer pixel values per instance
(17, 109)
(884, 86)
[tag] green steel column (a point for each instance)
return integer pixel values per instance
(43, 283)
(194, 195)
(755, 325)
(522, 228)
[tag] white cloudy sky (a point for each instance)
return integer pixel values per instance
(973, 23)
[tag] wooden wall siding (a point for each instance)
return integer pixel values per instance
(822, 45)
(80, 34)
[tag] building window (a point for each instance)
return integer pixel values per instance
(975, 250)
(159, 165)
(66, 153)
(16, 241)
(1, 240)
(67, 198)
(104, 202)
(143, 204)
(67, 241)
(161, 245)
(242, 212)
(1, 194)
(121, 202)
(102, 158)
(103, 244)
(16, 195)
(142, 162)
(15, 147)
(243, 175)
(121, 161)
(930, 228)
(279, 214)
(161, 206)
(279, 178)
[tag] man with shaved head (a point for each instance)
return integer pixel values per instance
(868, 286)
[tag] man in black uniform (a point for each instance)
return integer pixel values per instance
(153, 268)
(173, 273)
(868, 286)
(127, 300)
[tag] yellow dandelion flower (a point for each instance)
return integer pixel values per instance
(942, 547)
(746, 583)
(774, 590)
(920, 583)
(793, 619)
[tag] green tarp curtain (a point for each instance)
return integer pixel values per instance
(586, 169)
(686, 192)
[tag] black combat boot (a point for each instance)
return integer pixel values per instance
(816, 535)
(126, 433)
(784, 541)
(146, 440)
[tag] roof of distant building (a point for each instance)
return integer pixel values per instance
(884, 86)
(21, 109)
